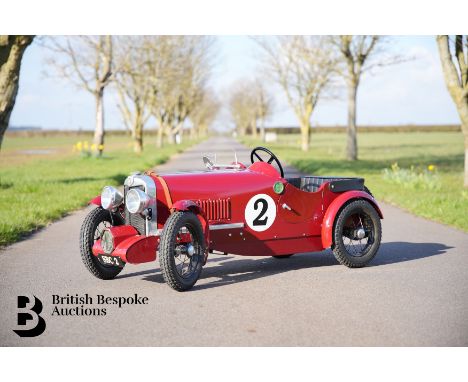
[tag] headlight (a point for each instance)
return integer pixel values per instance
(136, 200)
(111, 198)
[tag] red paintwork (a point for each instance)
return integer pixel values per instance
(186, 205)
(334, 208)
(137, 249)
(265, 169)
(129, 246)
(96, 201)
(306, 227)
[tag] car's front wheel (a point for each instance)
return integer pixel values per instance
(91, 230)
(357, 234)
(181, 251)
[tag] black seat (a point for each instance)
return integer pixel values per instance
(313, 183)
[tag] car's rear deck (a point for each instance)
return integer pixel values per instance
(338, 184)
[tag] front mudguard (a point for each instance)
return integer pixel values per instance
(190, 205)
(335, 207)
(96, 201)
(129, 245)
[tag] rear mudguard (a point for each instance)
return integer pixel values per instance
(336, 206)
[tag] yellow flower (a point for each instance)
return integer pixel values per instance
(431, 167)
(79, 146)
(101, 147)
(93, 147)
(85, 145)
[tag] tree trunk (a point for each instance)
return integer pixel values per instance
(159, 138)
(462, 108)
(465, 183)
(457, 87)
(11, 53)
(194, 131)
(262, 130)
(99, 129)
(463, 111)
(138, 142)
(170, 137)
(138, 133)
(254, 128)
(351, 145)
(305, 135)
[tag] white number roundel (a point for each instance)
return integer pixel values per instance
(260, 212)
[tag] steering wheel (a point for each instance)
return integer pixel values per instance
(273, 158)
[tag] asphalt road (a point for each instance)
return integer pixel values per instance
(414, 293)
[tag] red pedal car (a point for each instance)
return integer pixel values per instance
(249, 211)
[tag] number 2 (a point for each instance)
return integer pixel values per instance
(259, 220)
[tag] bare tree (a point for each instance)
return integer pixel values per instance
(358, 54)
(263, 104)
(87, 61)
(204, 114)
(181, 68)
(242, 107)
(303, 66)
(454, 59)
(11, 53)
(249, 104)
(133, 85)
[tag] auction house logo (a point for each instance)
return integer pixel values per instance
(30, 312)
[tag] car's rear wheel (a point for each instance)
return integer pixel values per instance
(91, 230)
(357, 234)
(181, 251)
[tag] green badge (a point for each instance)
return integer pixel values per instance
(278, 187)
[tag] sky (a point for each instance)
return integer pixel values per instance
(413, 92)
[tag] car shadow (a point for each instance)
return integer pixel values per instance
(400, 251)
(235, 269)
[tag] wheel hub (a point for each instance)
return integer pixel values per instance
(360, 233)
(185, 249)
(190, 249)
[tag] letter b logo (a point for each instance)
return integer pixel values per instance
(28, 313)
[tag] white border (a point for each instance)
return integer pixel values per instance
(233, 17)
(234, 364)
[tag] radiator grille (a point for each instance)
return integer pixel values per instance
(135, 220)
(219, 209)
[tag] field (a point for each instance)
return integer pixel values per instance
(42, 178)
(421, 172)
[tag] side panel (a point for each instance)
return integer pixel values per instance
(240, 242)
(334, 208)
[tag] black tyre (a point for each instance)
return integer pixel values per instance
(91, 231)
(357, 234)
(282, 257)
(181, 250)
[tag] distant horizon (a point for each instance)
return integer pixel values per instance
(39, 128)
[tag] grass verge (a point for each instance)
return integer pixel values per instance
(437, 195)
(37, 188)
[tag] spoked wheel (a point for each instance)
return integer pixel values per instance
(181, 251)
(92, 230)
(357, 234)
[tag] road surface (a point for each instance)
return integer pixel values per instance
(414, 293)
